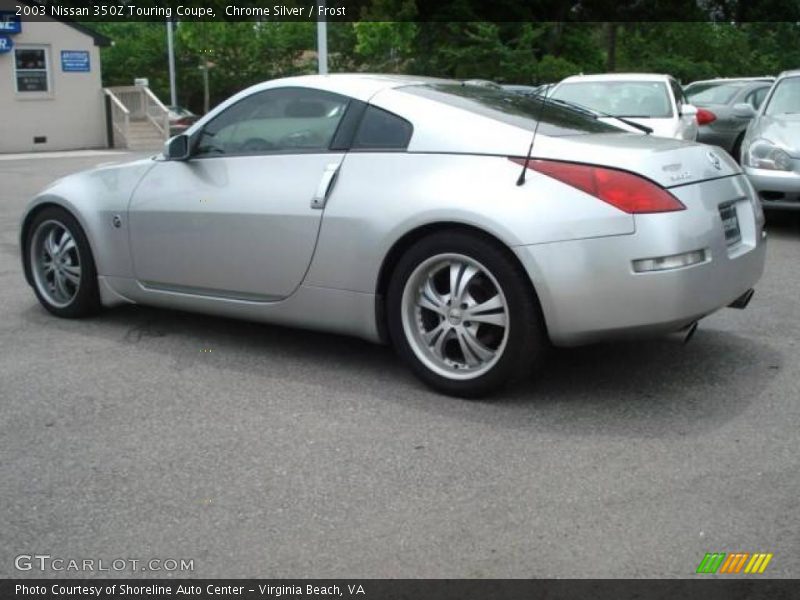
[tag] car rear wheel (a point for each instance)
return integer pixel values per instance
(60, 262)
(463, 315)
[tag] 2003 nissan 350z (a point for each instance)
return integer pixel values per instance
(412, 211)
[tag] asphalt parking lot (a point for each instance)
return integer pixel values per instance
(262, 451)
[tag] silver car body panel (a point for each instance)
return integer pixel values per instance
(777, 189)
(238, 237)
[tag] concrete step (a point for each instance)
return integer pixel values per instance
(142, 135)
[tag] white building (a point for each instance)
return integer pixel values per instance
(51, 95)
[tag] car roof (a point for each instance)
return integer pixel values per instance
(790, 73)
(361, 86)
(619, 77)
(721, 80)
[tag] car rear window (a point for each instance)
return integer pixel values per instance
(637, 99)
(512, 108)
(720, 94)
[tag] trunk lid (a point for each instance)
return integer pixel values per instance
(668, 162)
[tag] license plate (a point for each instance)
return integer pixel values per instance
(730, 224)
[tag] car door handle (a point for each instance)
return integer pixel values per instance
(325, 185)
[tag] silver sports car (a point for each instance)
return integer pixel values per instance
(411, 211)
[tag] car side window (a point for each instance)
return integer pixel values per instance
(677, 91)
(382, 130)
(282, 120)
(756, 97)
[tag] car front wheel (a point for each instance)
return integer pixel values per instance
(463, 315)
(61, 265)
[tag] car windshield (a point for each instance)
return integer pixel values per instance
(785, 98)
(719, 94)
(637, 99)
(513, 108)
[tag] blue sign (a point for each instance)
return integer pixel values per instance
(9, 23)
(75, 61)
(5, 44)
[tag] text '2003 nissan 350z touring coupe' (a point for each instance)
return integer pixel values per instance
(411, 211)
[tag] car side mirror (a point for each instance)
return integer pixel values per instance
(177, 148)
(688, 110)
(743, 110)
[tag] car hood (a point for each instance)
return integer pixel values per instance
(781, 130)
(668, 162)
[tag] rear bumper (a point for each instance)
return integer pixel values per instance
(776, 189)
(589, 289)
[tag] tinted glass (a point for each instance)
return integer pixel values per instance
(513, 109)
(680, 99)
(642, 99)
(785, 98)
(280, 120)
(757, 97)
(381, 130)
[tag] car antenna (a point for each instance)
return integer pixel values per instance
(521, 178)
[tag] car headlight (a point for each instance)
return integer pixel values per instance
(763, 154)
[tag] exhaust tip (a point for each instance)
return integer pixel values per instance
(690, 332)
(742, 301)
(683, 336)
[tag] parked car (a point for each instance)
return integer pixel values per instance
(655, 101)
(771, 148)
(719, 124)
(356, 204)
(704, 84)
(180, 119)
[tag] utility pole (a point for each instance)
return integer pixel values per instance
(173, 92)
(322, 39)
(206, 92)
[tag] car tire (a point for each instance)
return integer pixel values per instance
(61, 266)
(736, 152)
(471, 343)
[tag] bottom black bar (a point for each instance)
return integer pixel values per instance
(401, 589)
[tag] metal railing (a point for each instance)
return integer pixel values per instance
(156, 112)
(120, 119)
(139, 103)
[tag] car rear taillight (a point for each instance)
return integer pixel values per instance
(183, 122)
(625, 191)
(705, 116)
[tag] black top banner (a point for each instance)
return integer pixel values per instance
(408, 10)
(401, 589)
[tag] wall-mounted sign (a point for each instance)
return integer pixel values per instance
(75, 61)
(9, 23)
(5, 44)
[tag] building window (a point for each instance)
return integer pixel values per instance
(32, 67)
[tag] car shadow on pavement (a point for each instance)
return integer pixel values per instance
(657, 387)
(654, 388)
(784, 223)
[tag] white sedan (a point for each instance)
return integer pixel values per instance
(653, 101)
